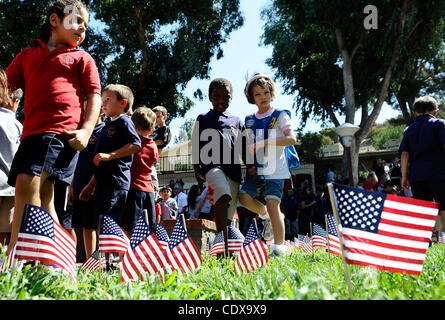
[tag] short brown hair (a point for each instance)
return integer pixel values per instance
(259, 79)
(144, 118)
(122, 92)
(161, 109)
(425, 104)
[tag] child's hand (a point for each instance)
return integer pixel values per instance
(252, 173)
(79, 140)
(101, 157)
(87, 192)
(405, 183)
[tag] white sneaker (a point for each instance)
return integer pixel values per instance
(279, 249)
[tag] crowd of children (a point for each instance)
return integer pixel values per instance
(106, 159)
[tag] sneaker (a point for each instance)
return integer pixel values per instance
(278, 251)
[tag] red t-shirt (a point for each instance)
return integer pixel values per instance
(141, 166)
(55, 83)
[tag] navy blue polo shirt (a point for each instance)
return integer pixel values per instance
(424, 139)
(115, 134)
(85, 167)
(219, 132)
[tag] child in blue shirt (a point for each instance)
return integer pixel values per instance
(423, 155)
(271, 168)
(114, 150)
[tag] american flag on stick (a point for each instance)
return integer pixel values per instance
(218, 244)
(384, 231)
(253, 253)
(441, 237)
(94, 262)
(144, 256)
(235, 239)
(43, 239)
(9, 262)
(111, 237)
(318, 236)
(185, 256)
(333, 243)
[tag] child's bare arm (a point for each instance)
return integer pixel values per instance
(125, 151)
(80, 137)
(288, 139)
(404, 166)
(88, 190)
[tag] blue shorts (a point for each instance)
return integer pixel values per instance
(83, 214)
(273, 188)
(44, 152)
(137, 201)
(110, 200)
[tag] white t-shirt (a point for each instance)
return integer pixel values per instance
(272, 157)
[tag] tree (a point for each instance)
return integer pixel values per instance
(323, 52)
(154, 47)
(185, 131)
(157, 47)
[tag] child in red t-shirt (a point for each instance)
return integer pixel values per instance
(57, 77)
(141, 194)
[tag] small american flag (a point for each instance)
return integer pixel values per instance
(208, 245)
(384, 231)
(218, 244)
(162, 235)
(9, 262)
(144, 256)
(94, 262)
(111, 237)
(441, 237)
(318, 236)
(185, 255)
(289, 246)
(43, 239)
(235, 239)
(253, 253)
(333, 243)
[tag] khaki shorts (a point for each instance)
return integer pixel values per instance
(6, 213)
(222, 185)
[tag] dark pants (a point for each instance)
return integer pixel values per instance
(245, 217)
(430, 191)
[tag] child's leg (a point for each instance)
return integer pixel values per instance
(220, 208)
(26, 192)
(276, 218)
(47, 195)
(89, 240)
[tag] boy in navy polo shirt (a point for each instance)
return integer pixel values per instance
(423, 155)
(214, 153)
(114, 150)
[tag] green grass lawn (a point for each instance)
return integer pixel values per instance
(300, 276)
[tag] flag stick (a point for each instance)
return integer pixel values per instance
(146, 216)
(340, 237)
(312, 241)
(327, 238)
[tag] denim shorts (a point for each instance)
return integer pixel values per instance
(273, 188)
(48, 152)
